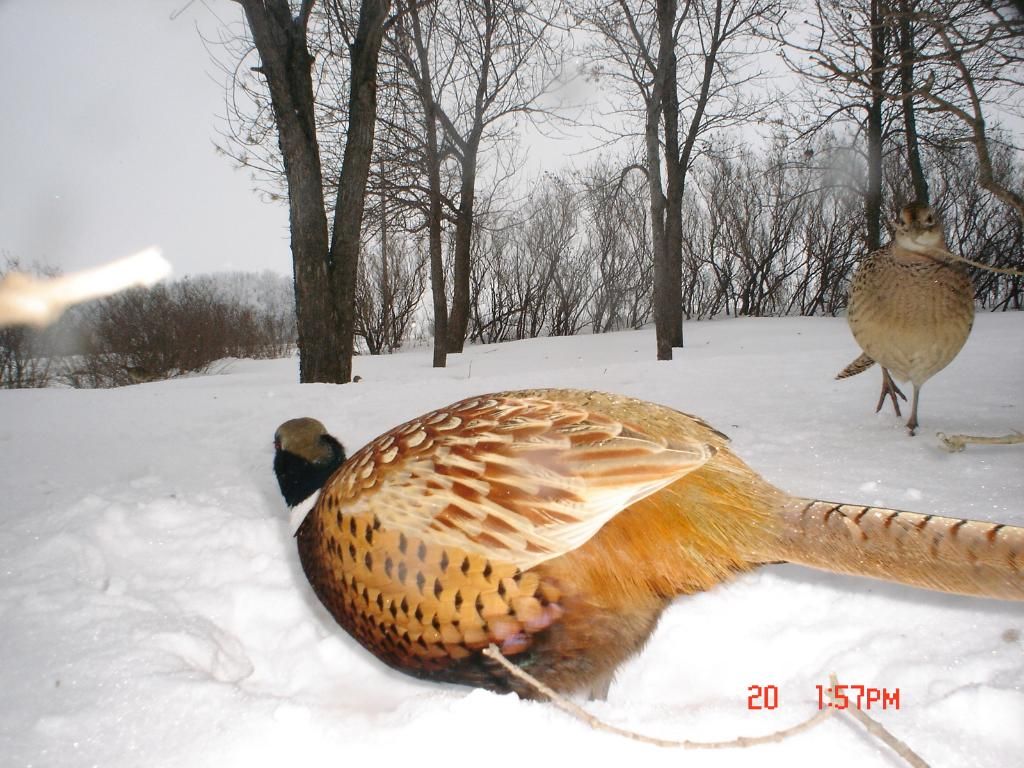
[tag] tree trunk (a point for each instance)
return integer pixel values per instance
(907, 54)
(437, 291)
(873, 194)
(674, 175)
(286, 63)
(387, 296)
(693, 131)
(458, 323)
(664, 274)
(662, 298)
(355, 169)
(425, 90)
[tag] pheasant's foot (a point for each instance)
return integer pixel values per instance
(912, 421)
(890, 390)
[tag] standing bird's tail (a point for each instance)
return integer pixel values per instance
(941, 553)
(859, 365)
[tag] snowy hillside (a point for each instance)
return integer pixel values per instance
(153, 611)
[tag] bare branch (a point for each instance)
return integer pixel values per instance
(594, 722)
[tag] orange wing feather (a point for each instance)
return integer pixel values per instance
(522, 479)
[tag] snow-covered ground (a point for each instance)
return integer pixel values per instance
(153, 612)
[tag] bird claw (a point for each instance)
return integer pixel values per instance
(890, 390)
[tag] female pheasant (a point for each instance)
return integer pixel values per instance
(911, 307)
(559, 524)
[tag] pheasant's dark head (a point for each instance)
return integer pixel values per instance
(305, 455)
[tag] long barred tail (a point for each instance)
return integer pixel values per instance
(941, 553)
(859, 365)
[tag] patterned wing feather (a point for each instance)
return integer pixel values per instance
(523, 479)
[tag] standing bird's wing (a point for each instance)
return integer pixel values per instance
(518, 479)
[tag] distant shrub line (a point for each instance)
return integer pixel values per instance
(172, 329)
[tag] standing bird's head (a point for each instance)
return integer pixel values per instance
(305, 455)
(919, 229)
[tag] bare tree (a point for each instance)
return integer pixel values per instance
(981, 225)
(687, 62)
(324, 258)
(475, 64)
(764, 210)
(906, 35)
(707, 275)
(769, 233)
(497, 276)
(831, 243)
(552, 237)
(846, 37)
(411, 50)
(977, 50)
(950, 63)
(617, 244)
(532, 274)
(389, 291)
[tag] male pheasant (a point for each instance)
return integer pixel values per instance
(911, 310)
(559, 524)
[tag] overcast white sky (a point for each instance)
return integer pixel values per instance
(110, 110)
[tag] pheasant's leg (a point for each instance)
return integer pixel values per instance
(912, 423)
(599, 688)
(889, 389)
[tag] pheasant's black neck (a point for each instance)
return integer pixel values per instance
(299, 478)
